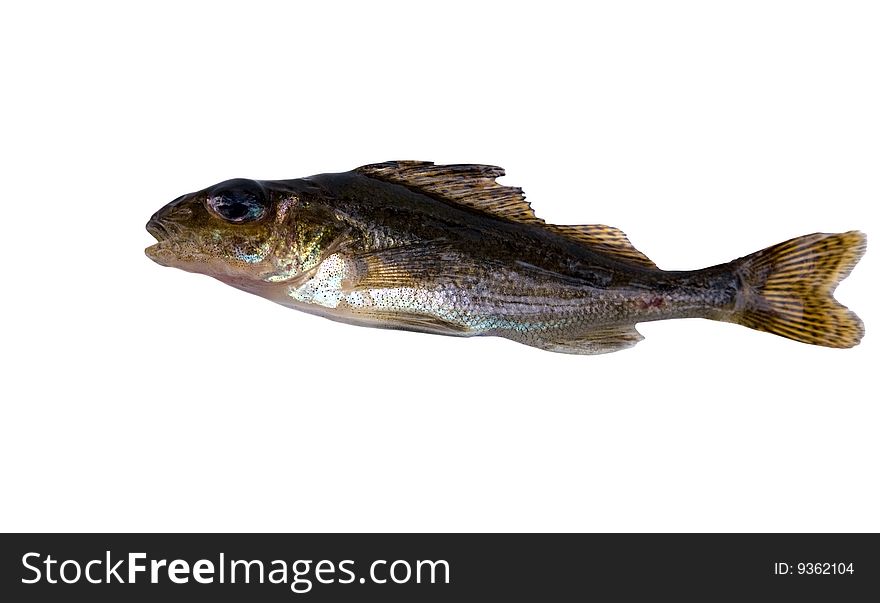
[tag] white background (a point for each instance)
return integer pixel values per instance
(136, 397)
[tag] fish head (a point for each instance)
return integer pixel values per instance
(246, 233)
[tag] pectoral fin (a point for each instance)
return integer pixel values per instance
(410, 266)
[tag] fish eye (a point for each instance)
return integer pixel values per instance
(238, 201)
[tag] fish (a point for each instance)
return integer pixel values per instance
(446, 249)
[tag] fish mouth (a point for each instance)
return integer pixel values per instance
(173, 248)
(161, 233)
(157, 229)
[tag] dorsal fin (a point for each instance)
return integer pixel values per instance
(474, 186)
(469, 185)
(604, 239)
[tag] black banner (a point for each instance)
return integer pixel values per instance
(437, 567)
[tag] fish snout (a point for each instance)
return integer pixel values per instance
(169, 220)
(157, 229)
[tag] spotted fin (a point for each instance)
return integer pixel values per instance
(788, 289)
(468, 185)
(601, 340)
(604, 239)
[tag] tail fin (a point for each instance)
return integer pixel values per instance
(788, 289)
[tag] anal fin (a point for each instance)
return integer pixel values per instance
(601, 340)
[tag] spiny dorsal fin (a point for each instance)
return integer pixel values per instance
(469, 185)
(604, 239)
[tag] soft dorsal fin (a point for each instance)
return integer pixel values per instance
(469, 185)
(604, 239)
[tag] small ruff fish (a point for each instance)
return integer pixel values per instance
(446, 249)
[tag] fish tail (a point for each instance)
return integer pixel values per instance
(788, 289)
